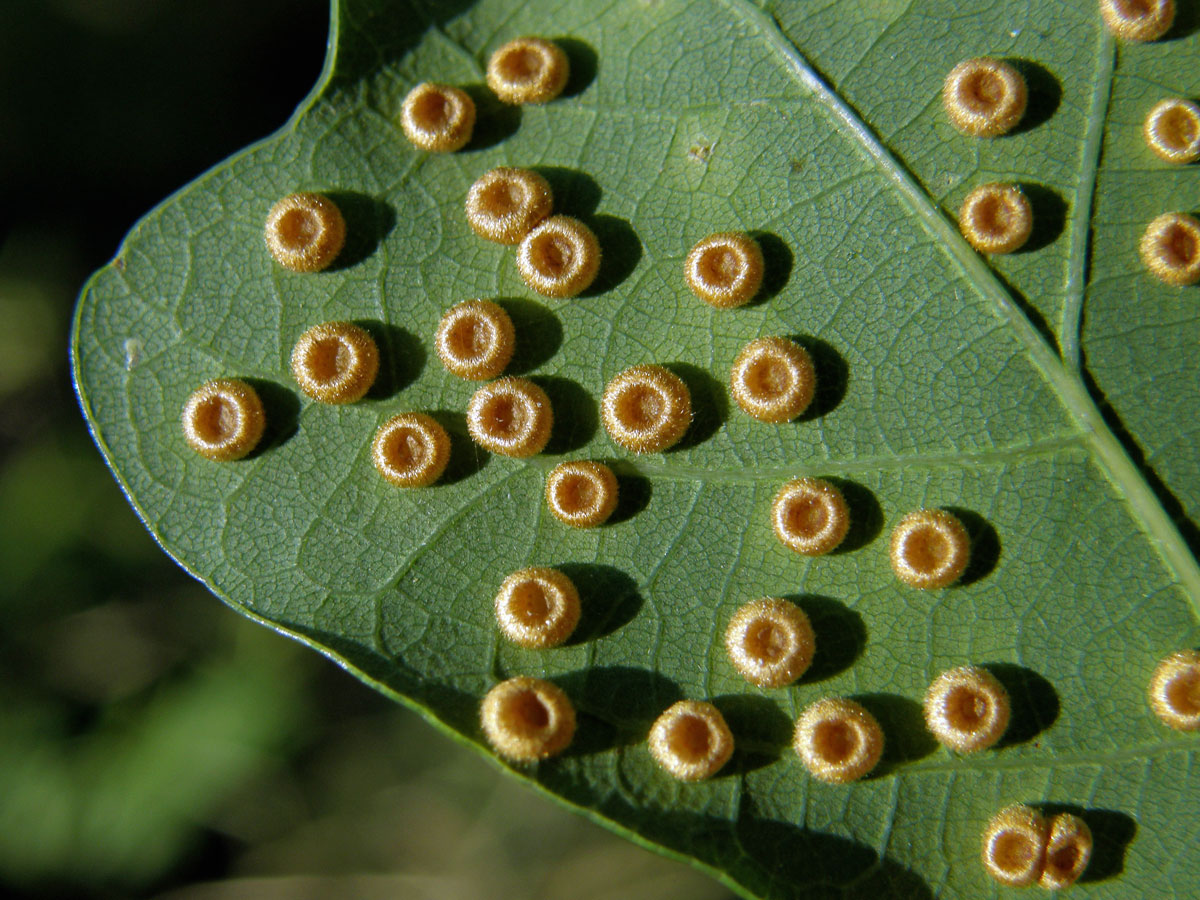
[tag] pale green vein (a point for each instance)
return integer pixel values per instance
(666, 468)
(997, 762)
(1059, 760)
(671, 471)
(1081, 213)
(1112, 458)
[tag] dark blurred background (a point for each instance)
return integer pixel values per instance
(152, 742)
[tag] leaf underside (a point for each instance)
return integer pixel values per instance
(1048, 397)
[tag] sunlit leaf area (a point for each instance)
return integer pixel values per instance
(968, 231)
(152, 743)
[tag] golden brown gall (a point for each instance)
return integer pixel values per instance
(527, 719)
(984, 97)
(691, 740)
(996, 218)
(773, 380)
(438, 118)
(838, 740)
(582, 494)
(1175, 690)
(559, 258)
(528, 70)
(725, 270)
(224, 419)
(475, 339)
(1014, 846)
(646, 409)
(1172, 130)
(770, 642)
(505, 204)
(537, 607)
(967, 709)
(810, 516)
(1068, 851)
(305, 232)
(335, 362)
(511, 417)
(411, 450)
(1170, 249)
(1138, 20)
(930, 548)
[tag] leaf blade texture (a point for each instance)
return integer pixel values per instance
(1047, 396)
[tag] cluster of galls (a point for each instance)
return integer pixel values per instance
(771, 643)
(647, 408)
(986, 97)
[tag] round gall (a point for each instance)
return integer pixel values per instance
(582, 494)
(475, 340)
(930, 548)
(1170, 249)
(305, 232)
(511, 417)
(1172, 130)
(537, 607)
(725, 270)
(773, 380)
(646, 409)
(967, 709)
(770, 642)
(984, 97)
(335, 362)
(527, 719)
(411, 450)
(1138, 20)
(504, 204)
(528, 70)
(810, 516)
(838, 741)
(224, 419)
(1068, 851)
(559, 258)
(996, 218)
(1175, 690)
(691, 740)
(437, 117)
(1014, 846)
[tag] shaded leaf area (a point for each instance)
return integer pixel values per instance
(938, 389)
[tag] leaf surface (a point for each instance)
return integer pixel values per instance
(946, 379)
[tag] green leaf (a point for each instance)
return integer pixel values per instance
(1048, 396)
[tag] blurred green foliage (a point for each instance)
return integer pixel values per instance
(152, 742)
